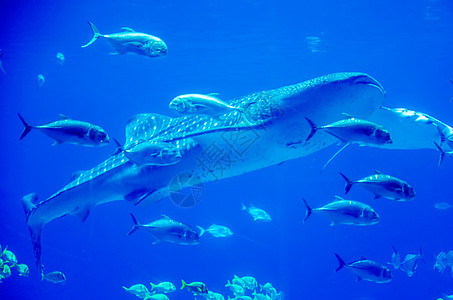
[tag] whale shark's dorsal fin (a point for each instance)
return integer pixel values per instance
(127, 29)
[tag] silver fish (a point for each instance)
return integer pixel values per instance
(219, 231)
(157, 154)
(139, 290)
(410, 263)
(209, 105)
(60, 58)
(274, 137)
(412, 129)
(162, 287)
(55, 277)
(352, 130)
(70, 131)
(168, 230)
(23, 270)
(367, 270)
(346, 212)
(40, 80)
(442, 205)
(382, 185)
(257, 214)
(396, 259)
(130, 41)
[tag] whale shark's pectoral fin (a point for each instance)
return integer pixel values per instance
(138, 195)
(29, 203)
(83, 213)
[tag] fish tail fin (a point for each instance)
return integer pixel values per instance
(28, 202)
(442, 153)
(341, 262)
(26, 125)
(349, 183)
(136, 225)
(394, 250)
(309, 210)
(243, 207)
(313, 129)
(119, 147)
(184, 284)
(202, 231)
(152, 285)
(96, 35)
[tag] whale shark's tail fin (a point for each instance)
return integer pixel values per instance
(28, 202)
(96, 35)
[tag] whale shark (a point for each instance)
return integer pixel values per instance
(275, 131)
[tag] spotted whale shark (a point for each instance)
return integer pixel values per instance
(275, 131)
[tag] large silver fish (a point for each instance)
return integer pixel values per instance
(130, 41)
(275, 132)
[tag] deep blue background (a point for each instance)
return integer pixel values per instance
(233, 48)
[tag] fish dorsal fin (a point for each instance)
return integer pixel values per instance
(76, 174)
(215, 95)
(377, 172)
(128, 29)
(338, 198)
(347, 116)
(165, 217)
(63, 117)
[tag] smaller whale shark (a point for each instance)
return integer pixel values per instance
(130, 41)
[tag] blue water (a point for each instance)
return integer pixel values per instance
(233, 48)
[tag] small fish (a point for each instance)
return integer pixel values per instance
(367, 270)
(250, 282)
(130, 41)
(266, 287)
(1, 263)
(199, 104)
(237, 280)
(23, 270)
(236, 289)
(441, 262)
(168, 230)
(1, 65)
(138, 290)
(241, 297)
(5, 271)
(55, 277)
(70, 131)
(258, 296)
(396, 259)
(219, 231)
(60, 58)
(163, 287)
(149, 153)
(410, 263)
(257, 214)
(346, 212)
(196, 288)
(40, 81)
(352, 130)
(9, 257)
(383, 186)
(157, 297)
(442, 205)
(214, 296)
